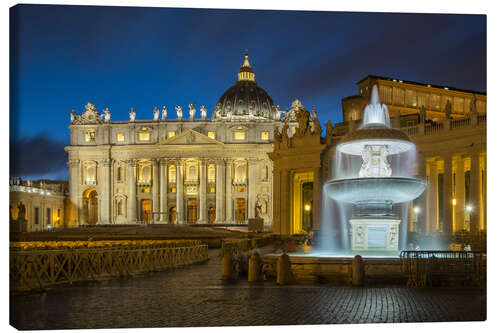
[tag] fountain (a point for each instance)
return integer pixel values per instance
(374, 225)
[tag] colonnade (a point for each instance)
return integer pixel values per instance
(455, 198)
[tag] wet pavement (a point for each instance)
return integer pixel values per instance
(195, 296)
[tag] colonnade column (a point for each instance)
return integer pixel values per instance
(132, 197)
(432, 223)
(285, 203)
(219, 192)
(317, 194)
(156, 191)
(459, 194)
(420, 204)
(252, 166)
(447, 196)
(203, 192)
(163, 190)
(74, 180)
(229, 190)
(180, 193)
(105, 191)
(474, 192)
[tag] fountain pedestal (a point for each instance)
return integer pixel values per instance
(370, 233)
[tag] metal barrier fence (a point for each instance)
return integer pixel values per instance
(39, 269)
(424, 267)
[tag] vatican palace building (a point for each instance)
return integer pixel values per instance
(182, 166)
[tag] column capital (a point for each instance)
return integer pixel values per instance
(73, 162)
(106, 162)
(163, 161)
(130, 162)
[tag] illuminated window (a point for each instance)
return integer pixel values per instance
(172, 173)
(144, 136)
(211, 173)
(264, 135)
(212, 190)
(171, 134)
(173, 189)
(90, 135)
(241, 189)
(239, 135)
(192, 173)
(211, 135)
(145, 190)
(120, 137)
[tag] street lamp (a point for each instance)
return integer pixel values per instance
(307, 207)
(469, 208)
(454, 202)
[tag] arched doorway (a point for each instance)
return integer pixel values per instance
(146, 210)
(240, 211)
(192, 210)
(90, 212)
(172, 215)
(211, 215)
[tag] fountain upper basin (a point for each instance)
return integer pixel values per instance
(376, 189)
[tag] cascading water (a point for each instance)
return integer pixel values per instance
(374, 169)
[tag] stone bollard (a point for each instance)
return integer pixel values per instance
(254, 267)
(227, 266)
(357, 271)
(284, 271)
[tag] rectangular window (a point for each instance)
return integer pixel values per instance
(212, 190)
(171, 134)
(173, 189)
(37, 215)
(120, 137)
(239, 135)
(48, 219)
(241, 189)
(144, 136)
(211, 135)
(264, 136)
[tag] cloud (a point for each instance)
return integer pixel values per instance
(37, 157)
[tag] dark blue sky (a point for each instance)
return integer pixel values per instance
(123, 57)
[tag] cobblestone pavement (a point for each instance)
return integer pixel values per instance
(195, 296)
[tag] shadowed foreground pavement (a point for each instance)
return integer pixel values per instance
(195, 296)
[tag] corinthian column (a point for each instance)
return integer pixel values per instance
(459, 194)
(228, 192)
(432, 200)
(156, 189)
(447, 196)
(106, 191)
(203, 192)
(219, 192)
(132, 197)
(180, 193)
(163, 190)
(74, 180)
(474, 192)
(251, 181)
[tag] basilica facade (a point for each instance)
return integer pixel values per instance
(184, 168)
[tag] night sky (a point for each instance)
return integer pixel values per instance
(123, 57)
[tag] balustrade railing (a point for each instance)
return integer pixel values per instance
(40, 269)
(433, 128)
(424, 267)
(459, 123)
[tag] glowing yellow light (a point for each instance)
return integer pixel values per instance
(171, 134)
(469, 208)
(454, 202)
(239, 135)
(264, 135)
(211, 135)
(144, 136)
(307, 207)
(416, 210)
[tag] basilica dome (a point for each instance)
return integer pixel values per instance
(245, 100)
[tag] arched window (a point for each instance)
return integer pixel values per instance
(264, 172)
(211, 173)
(120, 210)
(172, 174)
(119, 174)
(240, 174)
(192, 172)
(146, 174)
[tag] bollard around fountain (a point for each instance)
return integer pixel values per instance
(227, 266)
(254, 267)
(357, 271)
(284, 270)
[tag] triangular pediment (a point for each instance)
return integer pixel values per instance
(190, 137)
